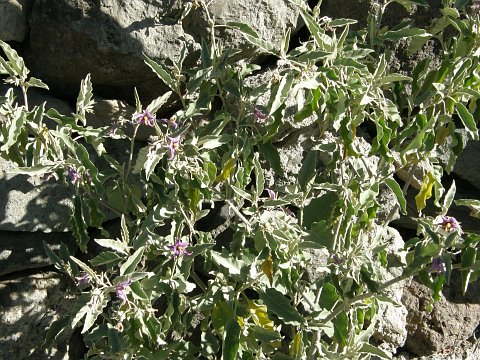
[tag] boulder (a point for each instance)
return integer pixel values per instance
(32, 203)
(450, 328)
(107, 39)
(24, 250)
(391, 331)
(13, 19)
(28, 306)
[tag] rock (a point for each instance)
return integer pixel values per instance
(107, 39)
(24, 250)
(468, 163)
(13, 19)
(31, 203)
(391, 330)
(28, 307)
(449, 328)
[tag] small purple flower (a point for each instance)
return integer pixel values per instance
(259, 114)
(448, 224)
(84, 279)
(437, 266)
(170, 122)
(336, 259)
(172, 147)
(180, 248)
(145, 118)
(120, 289)
(272, 194)
(73, 175)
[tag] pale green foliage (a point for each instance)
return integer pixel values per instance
(251, 298)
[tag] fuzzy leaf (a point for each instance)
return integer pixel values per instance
(277, 303)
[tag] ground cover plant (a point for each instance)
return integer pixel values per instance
(164, 288)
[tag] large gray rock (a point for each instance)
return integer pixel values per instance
(24, 250)
(449, 329)
(70, 38)
(13, 19)
(28, 306)
(391, 330)
(31, 203)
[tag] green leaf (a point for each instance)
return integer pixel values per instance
(221, 315)
(259, 177)
(308, 170)
(130, 265)
(467, 120)
(252, 36)
(233, 266)
(105, 257)
(85, 99)
(34, 82)
(116, 245)
(449, 196)
(407, 4)
(474, 205)
(323, 41)
(95, 308)
(393, 185)
(54, 330)
(277, 303)
(367, 348)
(321, 235)
(280, 92)
(51, 255)
(84, 267)
(16, 66)
(231, 341)
(266, 335)
(114, 340)
(158, 102)
(79, 227)
(469, 256)
(319, 208)
(270, 153)
(15, 129)
(328, 297)
(408, 32)
(160, 71)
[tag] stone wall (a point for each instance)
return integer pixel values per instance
(62, 41)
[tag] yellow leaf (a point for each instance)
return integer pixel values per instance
(425, 192)
(296, 345)
(259, 315)
(227, 169)
(267, 267)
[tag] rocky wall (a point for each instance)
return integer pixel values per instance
(62, 41)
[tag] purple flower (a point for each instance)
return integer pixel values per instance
(259, 114)
(120, 289)
(73, 174)
(271, 194)
(170, 122)
(437, 266)
(448, 224)
(336, 259)
(180, 248)
(84, 279)
(145, 118)
(172, 147)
